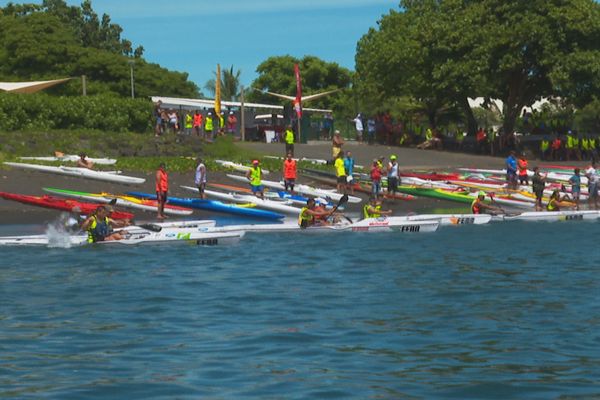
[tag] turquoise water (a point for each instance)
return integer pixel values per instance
(502, 311)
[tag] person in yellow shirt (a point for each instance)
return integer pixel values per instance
(289, 140)
(340, 172)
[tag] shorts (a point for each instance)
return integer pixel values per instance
(342, 179)
(161, 196)
(539, 195)
(201, 187)
(393, 184)
(257, 188)
(290, 181)
(576, 195)
(511, 177)
(376, 187)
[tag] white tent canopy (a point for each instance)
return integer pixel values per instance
(29, 87)
(192, 104)
(499, 105)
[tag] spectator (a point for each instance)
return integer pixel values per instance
(173, 121)
(358, 125)
(231, 123)
(158, 120)
(337, 143)
(197, 124)
(208, 126)
(371, 128)
(189, 123)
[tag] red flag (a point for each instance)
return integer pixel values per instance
(298, 100)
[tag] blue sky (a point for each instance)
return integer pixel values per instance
(194, 35)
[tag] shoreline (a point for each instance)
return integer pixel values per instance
(31, 182)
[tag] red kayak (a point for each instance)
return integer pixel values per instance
(56, 203)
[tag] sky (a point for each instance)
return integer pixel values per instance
(194, 35)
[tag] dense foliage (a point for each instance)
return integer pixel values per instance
(442, 52)
(104, 112)
(54, 40)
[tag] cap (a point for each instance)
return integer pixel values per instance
(481, 193)
(209, 113)
(393, 157)
(230, 112)
(254, 161)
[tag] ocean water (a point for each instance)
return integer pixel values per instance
(503, 311)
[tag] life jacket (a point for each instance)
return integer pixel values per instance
(208, 124)
(305, 219)
(522, 167)
(289, 169)
(475, 209)
(162, 184)
(98, 230)
(289, 137)
(592, 144)
(556, 144)
(188, 120)
(376, 214)
(552, 206)
(197, 119)
(255, 176)
(570, 142)
(585, 144)
(221, 121)
(544, 145)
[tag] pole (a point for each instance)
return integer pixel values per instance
(242, 115)
(131, 63)
(298, 126)
(83, 85)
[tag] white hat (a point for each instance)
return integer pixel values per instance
(209, 113)
(230, 112)
(337, 132)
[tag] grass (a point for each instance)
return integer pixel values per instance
(133, 151)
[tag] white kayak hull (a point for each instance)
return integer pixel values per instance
(79, 173)
(448, 219)
(135, 236)
(265, 204)
(73, 158)
(587, 215)
(237, 166)
(302, 189)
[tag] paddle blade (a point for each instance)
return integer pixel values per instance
(343, 200)
(112, 202)
(151, 227)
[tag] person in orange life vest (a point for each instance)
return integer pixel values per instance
(289, 172)
(522, 169)
(479, 207)
(197, 123)
(162, 188)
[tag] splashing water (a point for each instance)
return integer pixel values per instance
(59, 232)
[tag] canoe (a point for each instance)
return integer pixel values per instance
(55, 203)
(265, 204)
(121, 201)
(213, 205)
(73, 158)
(447, 219)
(166, 235)
(272, 195)
(304, 189)
(237, 166)
(85, 173)
(586, 215)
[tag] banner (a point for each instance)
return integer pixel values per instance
(218, 91)
(298, 99)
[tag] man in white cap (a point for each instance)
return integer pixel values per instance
(208, 126)
(231, 123)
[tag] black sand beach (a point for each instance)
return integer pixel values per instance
(26, 182)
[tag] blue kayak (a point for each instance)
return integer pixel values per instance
(213, 205)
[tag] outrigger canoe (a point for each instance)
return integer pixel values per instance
(121, 201)
(72, 158)
(108, 176)
(55, 203)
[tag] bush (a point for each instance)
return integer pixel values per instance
(103, 112)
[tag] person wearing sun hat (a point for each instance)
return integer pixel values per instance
(254, 175)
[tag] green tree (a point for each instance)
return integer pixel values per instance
(230, 84)
(276, 74)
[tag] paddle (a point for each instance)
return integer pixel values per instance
(343, 200)
(492, 194)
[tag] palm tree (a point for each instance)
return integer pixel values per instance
(230, 84)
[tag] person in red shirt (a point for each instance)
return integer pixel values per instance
(522, 168)
(197, 123)
(162, 188)
(289, 172)
(376, 172)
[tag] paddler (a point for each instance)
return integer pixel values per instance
(162, 189)
(254, 175)
(479, 207)
(99, 226)
(289, 172)
(373, 209)
(538, 183)
(310, 215)
(83, 162)
(555, 202)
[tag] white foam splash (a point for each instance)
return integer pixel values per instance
(59, 232)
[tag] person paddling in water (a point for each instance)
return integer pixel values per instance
(479, 207)
(311, 215)
(100, 227)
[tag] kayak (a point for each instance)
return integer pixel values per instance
(213, 205)
(448, 219)
(571, 215)
(365, 225)
(266, 204)
(237, 166)
(121, 201)
(108, 176)
(166, 235)
(73, 158)
(303, 189)
(56, 203)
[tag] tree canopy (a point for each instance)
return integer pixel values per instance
(54, 40)
(442, 52)
(276, 74)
